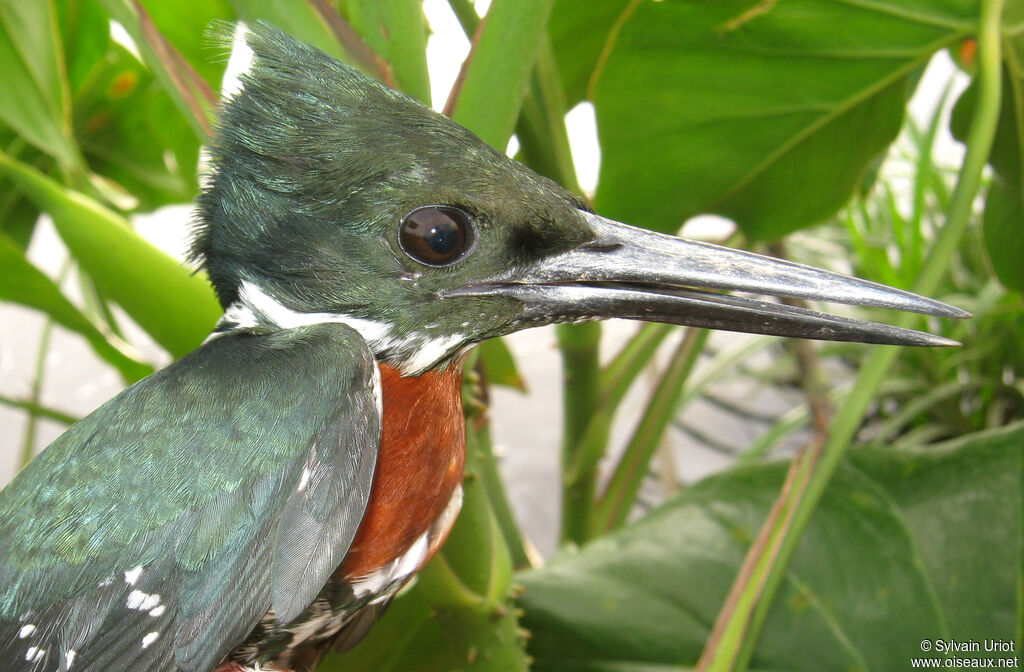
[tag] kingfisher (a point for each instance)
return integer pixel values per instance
(265, 497)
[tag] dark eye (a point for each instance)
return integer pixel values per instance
(435, 235)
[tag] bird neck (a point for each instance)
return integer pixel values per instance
(412, 354)
(419, 466)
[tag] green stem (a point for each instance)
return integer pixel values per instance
(581, 373)
(498, 498)
(620, 495)
(616, 379)
(467, 15)
(39, 410)
(27, 447)
(735, 635)
(543, 137)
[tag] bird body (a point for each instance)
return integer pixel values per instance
(266, 496)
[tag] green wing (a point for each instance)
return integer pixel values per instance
(157, 531)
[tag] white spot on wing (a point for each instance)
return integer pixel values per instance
(34, 654)
(303, 479)
(149, 639)
(132, 575)
(378, 394)
(69, 658)
(240, 63)
(142, 601)
(158, 611)
(26, 631)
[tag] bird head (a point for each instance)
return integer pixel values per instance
(331, 197)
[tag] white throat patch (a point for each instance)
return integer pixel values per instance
(415, 352)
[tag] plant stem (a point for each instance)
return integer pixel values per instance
(616, 379)
(618, 498)
(491, 479)
(27, 447)
(581, 373)
(466, 13)
(32, 403)
(739, 624)
(39, 410)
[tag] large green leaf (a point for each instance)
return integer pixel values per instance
(905, 546)
(175, 306)
(18, 216)
(490, 89)
(192, 94)
(1004, 206)
(131, 132)
(397, 31)
(85, 33)
(579, 32)
(186, 26)
(23, 283)
(35, 102)
(765, 112)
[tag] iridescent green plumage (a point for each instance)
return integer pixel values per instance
(193, 475)
(203, 509)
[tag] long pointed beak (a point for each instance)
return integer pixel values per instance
(638, 274)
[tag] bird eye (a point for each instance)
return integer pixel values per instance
(436, 235)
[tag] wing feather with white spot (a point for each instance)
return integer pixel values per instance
(155, 533)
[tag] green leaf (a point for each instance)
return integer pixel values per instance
(579, 33)
(765, 112)
(1004, 232)
(175, 306)
(1004, 208)
(499, 365)
(906, 545)
(489, 93)
(85, 33)
(132, 134)
(193, 96)
(36, 100)
(418, 636)
(397, 31)
(23, 283)
(186, 26)
(18, 217)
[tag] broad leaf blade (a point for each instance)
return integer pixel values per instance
(499, 365)
(397, 31)
(36, 100)
(23, 283)
(1004, 208)
(85, 32)
(768, 113)
(901, 549)
(193, 96)
(580, 32)
(131, 133)
(186, 26)
(487, 97)
(175, 306)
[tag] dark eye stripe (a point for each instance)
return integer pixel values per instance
(436, 235)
